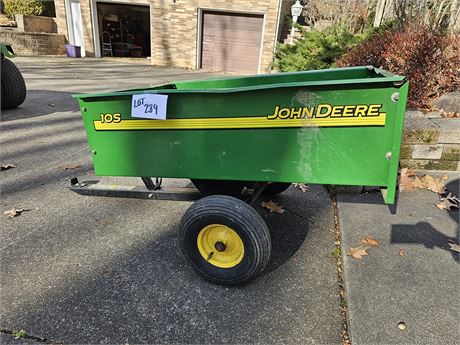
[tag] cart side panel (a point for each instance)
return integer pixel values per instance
(335, 154)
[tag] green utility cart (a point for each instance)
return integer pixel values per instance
(238, 138)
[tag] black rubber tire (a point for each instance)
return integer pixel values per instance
(275, 188)
(221, 187)
(244, 220)
(13, 85)
(234, 188)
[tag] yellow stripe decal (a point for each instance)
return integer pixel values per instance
(238, 123)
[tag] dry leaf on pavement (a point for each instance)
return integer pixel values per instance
(408, 172)
(67, 166)
(450, 114)
(453, 246)
(14, 212)
(448, 202)
(405, 182)
(434, 184)
(7, 166)
(358, 252)
(273, 207)
(417, 183)
(302, 186)
(369, 241)
(402, 253)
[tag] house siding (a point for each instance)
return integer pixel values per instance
(175, 27)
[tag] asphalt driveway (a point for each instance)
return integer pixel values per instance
(81, 269)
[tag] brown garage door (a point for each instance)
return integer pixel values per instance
(231, 41)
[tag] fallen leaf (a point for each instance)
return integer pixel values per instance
(302, 186)
(408, 172)
(14, 212)
(358, 252)
(453, 246)
(405, 183)
(448, 202)
(450, 114)
(7, 166)
(433, 184)
(369, 241)
(417, 183)
(273, 207)
(402, 253)
(68, 166)
(446, 205)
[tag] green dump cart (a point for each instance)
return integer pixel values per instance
(238, 138)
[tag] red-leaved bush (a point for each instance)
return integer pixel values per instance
(430, 60)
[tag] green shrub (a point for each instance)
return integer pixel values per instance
(27, 7)
(316, 49)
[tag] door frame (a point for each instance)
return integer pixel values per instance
(71, 28)
(95, 23)
(199, 40)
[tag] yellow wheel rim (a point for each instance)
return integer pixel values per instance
(220, 246)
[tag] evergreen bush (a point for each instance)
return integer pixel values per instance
(27, 7)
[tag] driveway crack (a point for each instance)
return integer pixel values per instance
(337, 253)
(23, 335)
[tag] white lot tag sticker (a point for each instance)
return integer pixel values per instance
(149, 106)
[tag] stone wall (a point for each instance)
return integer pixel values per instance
(430, 142)
(34, 43)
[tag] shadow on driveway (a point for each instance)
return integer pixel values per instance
(426, 234)
(41, 102)
(149, 294)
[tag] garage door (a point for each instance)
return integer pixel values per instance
(231, 41)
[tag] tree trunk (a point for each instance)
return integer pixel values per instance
(454, 21)
(379, 11)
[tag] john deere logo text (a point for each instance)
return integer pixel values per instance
(324, 111)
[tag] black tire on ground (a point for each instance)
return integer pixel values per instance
(234, 188)
(218, 212)
(275, 188)
(13, 85)
(220, 187)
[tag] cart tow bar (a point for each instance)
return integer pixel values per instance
(94, 188)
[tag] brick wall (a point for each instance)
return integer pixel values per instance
(87, 27)
(35, 24)
(33, 43)
(60, 19)
(175, 27)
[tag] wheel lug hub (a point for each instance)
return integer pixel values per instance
(220, 246)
